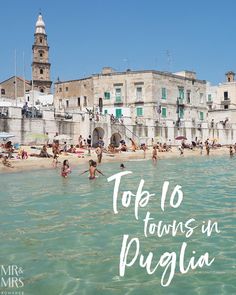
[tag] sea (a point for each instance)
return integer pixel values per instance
(164, 228)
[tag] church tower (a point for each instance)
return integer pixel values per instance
(40, 65)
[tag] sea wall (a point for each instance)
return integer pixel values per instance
(32, 130)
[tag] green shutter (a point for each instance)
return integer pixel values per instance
(118, 113)
(181, 94)
(106, 95)
(105, 112)
(163, 112)
(139, 112)
(163, 93)
(209, 97)
(201, 116)
(181, 113)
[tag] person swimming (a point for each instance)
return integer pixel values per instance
(92, 170)
(122, 166)
(65, 170)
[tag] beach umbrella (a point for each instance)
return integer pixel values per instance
(37, 136)
(5, 135)
(181, 138)
(62, 137)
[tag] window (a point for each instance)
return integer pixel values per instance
(139, 93)
(60, 103)
(209, 98)
(41, 40)
(226, 107)
(100, 104)
(118, 94)
(67, 88)
(188, 96)
(105, 112)
(85, 101)
(226, 95)
(67, 103)
(139, 112)
(201, 114)
(118, 113)
(78, 101)
(107, 95)
(163, 112)
(163, 93)
(201, 97)
(181, 113)
(181, 93)
(60, 89)
(41, 71)
(3, 91)
(41, 90)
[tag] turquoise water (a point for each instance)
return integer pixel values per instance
(65, 236)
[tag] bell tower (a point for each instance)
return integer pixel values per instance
(40, 65)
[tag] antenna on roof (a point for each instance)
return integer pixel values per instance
(169, 60)
(126, 61)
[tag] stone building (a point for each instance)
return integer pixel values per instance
(152, 95)
(14, 87)
(40, 65)
(149, 103)
(222, 101)
(74, 95)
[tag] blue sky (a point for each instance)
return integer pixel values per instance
(86, 35)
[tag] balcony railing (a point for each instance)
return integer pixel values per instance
(226, 101)
(209, 102)
(118, 99)
(139, 121)
(180, 101)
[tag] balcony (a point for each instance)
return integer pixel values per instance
(139, 101)
(139, 121)
(118, 100)
(209, 102)
(226, 101)
(180, 101)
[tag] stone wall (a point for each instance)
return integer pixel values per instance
(31, 130)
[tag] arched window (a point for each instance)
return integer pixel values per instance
(3, 91)
(42, 90)
(41, 71)
(41, 40)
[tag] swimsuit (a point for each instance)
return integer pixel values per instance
(64, 173)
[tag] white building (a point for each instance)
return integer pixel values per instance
(222, 107)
